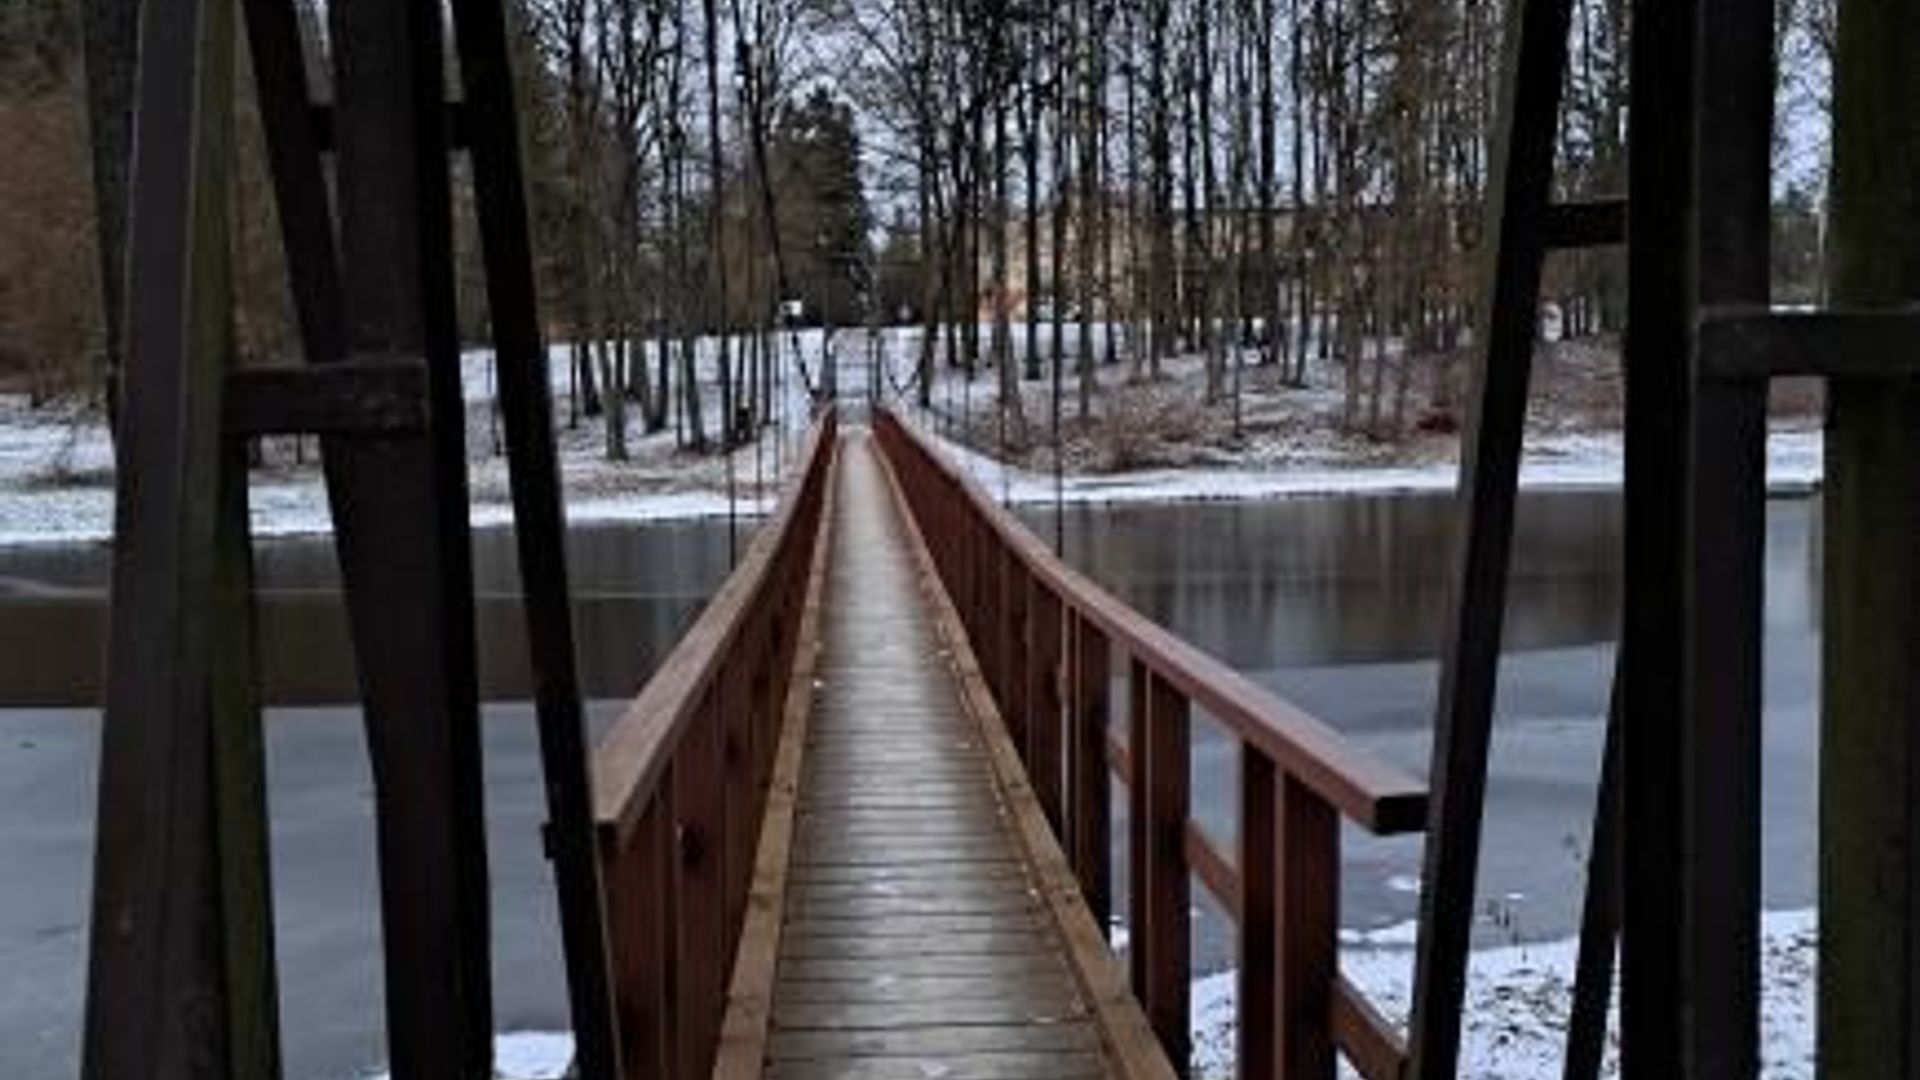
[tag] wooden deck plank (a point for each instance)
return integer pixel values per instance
(914, 941)
(1010, 967)
(1016, 1065)
(932, 1042)
(1043, 985)
(1022, 1005)
(995, 941)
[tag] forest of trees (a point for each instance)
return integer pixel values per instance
(1271, 183)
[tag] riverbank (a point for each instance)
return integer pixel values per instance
(1518, 997)
(1584, 461)
(57, 470)
(56, 478)
(1147, 440)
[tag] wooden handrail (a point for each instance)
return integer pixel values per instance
(681, 780)
(629, 761)
(1048, 640)
(1366, 791)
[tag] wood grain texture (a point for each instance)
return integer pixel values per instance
(914, 940)
(1133, 1051)
(748, 1021)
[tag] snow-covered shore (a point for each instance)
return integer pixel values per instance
(1567, 462)
(56, 471)
(56, 465)
(1518, 997)
(56, 479)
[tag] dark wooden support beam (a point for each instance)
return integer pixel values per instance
(1725, 555)
(180, 982)
(360, 397)
(459, 123)
(400, 510)
(1534, 65)
(1655, 349)
(1593, 223)
(1738, 344)
(526, 412)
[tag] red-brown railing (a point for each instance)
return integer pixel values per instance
(680, 783)
(1047, 639)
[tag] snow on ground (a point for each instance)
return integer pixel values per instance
(56, 469)
(1518, 997)
(1152, 440)
(525, 1055)
(1572, 461)
(56, 464)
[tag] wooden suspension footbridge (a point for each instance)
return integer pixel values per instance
(930, 894)
(861, 822)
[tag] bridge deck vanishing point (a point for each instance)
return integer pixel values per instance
(914, 942)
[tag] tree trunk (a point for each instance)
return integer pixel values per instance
(716, 181)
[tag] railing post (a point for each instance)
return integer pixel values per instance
(1167, 887)
(963, 555)
(740, 691)
(985, 611)
(641, 881)
(1257, 999)
(1137, 819)
(1017, 653)
(1090, 784)
(700, 806)
(976, 613)
(1307, 915)
(996, 628)
(1043, 699)
(771, 682)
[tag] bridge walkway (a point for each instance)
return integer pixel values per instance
(914, 942)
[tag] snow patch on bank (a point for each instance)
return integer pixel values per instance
(523, 1055)
(56, 464)
(1562, 462)
(1518, 997)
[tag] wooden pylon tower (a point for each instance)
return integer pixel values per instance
(182, 978)
(1674, 874)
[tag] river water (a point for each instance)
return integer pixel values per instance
(1338, 605)
(1335, 603)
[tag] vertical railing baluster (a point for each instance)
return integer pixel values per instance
(770, 680)
(1167, 887)
(1137, 819)
(640, 884)
(1017, 649)
(1257, 1000)
(1091, 783)
(1043, 699)
(976, 580)
(996, 630)
(700, 804)
(1308, 915)
(740, 695)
